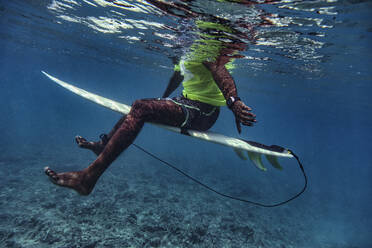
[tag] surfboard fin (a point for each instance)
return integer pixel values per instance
(240, 153)
(257, 161)
(274, 162)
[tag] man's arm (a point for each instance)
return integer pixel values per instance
(227, 86)
(173, 84)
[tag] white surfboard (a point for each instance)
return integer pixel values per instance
(242, 147)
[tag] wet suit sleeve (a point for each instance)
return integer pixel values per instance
(223, 79)
(220, 73)
(226, 84)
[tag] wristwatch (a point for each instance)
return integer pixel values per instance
(231, 101)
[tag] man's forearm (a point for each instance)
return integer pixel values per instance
(223, 79)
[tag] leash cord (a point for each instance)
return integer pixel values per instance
(228, 196)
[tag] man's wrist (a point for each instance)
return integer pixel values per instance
(231, 101)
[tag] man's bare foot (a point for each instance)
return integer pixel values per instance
(73, 180)
(96, 147)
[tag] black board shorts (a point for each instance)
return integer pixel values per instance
(198, 115)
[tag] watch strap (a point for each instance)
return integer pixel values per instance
(231, 101)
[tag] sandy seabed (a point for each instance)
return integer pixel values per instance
(133, 206)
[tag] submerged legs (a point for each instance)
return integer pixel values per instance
(123, 134)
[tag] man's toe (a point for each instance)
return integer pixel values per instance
(51, 174)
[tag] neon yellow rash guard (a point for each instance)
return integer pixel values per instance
(198, 83)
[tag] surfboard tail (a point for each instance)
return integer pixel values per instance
(256, 157)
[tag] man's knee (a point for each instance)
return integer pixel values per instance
(140, 108)
(139, 104)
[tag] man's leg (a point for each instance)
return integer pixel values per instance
(152, 110)
(97, 147)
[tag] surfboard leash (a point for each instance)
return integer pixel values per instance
(229, 196)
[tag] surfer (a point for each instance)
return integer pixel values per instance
(194, 110)
(207, 85)
(197, 108)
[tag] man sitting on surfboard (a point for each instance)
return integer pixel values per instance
(207, 85)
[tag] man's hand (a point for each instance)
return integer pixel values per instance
(243, 115)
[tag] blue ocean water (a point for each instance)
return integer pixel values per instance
(306, 74)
